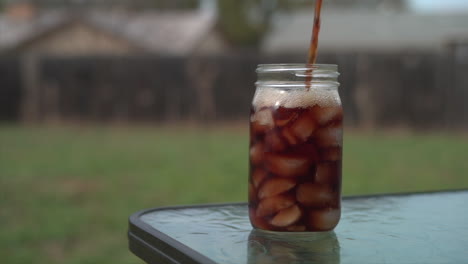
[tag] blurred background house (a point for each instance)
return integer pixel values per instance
(35, 41)
(195, 60)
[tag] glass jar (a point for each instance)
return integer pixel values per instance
(296, 128)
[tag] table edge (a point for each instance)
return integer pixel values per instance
(152, 236)
(351, 197)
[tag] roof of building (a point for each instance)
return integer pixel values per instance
(366, 30)
(177, 32)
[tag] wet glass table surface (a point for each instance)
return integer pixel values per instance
(406, 228)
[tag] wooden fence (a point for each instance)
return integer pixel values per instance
(407, 89)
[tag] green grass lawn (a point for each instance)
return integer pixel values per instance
(66, 193)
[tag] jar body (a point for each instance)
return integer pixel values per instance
(296, 128)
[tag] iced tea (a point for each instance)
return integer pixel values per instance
(295, 158)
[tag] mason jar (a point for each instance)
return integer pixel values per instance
(296, 135)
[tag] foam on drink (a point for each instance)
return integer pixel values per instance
(295, 98)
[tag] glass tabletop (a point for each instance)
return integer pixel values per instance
(412, 228)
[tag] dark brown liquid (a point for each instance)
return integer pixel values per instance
(295, 168)
(315, 34)
(312, 58)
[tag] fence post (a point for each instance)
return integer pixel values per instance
(202, 77)
(30, 83)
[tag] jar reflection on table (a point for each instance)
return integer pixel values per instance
(293, 248)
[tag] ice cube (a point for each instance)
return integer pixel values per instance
(287, 165)
(274, 204)
(261, 121)
(275, 186)
(258, 175)
(290, 137)
(324, 115)
(313, 194)
(256, 221)
(329, 136)
(273, 142)
(328, 173)
(301, 129)
(308, 150)
(286, 216)
(283, 115)
(256, 153)
(324, 220)
(330, 154)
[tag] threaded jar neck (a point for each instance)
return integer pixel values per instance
(288, 76)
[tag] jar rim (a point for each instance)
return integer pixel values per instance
(278, 67)
(291, 75)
